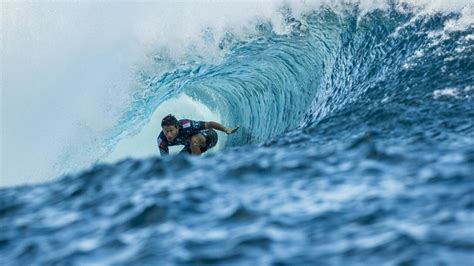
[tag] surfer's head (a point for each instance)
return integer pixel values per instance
(170, 127)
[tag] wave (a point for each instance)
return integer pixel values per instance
(357, 146)
(271, 67)
(329, 60)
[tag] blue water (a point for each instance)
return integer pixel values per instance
(356, 148)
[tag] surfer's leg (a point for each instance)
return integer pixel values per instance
(211, 139)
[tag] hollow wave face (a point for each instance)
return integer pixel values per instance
(356, 147)
(329, 61)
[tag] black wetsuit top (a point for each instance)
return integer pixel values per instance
(187, 129)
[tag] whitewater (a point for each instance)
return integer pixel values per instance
(356, 144)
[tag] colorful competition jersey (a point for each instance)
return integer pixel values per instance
(187, 129)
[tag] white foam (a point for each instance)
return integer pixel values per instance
(465, 21)
(469, 37)
(448, 92)
(67, 76)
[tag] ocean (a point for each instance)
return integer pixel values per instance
(356, 144)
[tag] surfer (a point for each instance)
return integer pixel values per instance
(196, 136)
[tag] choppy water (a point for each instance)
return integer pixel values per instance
(356, 148)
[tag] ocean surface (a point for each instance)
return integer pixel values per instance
(356, 147)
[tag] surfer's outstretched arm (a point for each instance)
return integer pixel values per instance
(215, 125)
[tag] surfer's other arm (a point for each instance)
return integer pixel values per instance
(215, 125)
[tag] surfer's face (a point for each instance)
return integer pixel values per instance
(170, 132)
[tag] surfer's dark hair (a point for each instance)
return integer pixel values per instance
(169, 120)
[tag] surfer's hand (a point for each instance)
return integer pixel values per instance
(231, 130)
